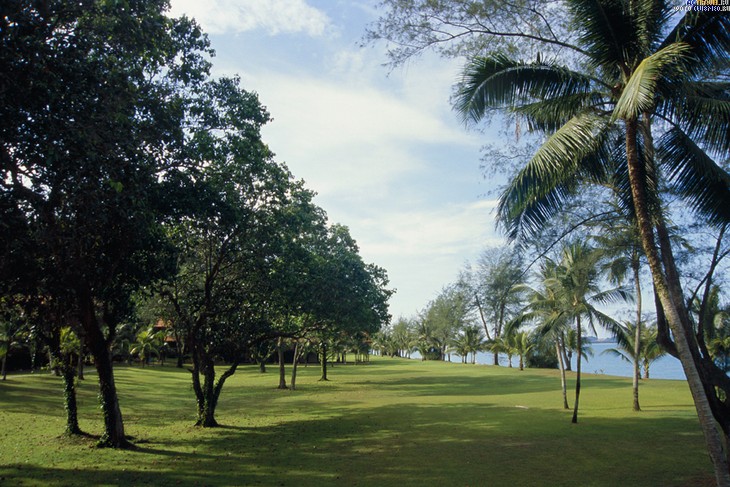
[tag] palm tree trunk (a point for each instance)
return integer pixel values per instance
(561, 364)
(637, 336)
(579, 346)
(567, 355)
(681, 330)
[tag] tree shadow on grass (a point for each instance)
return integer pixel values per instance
(454, 444)
(408, 444)
(479, 386)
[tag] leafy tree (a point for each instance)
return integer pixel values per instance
(84, 153)
(349, 296)
(637, 63)
(522, 345)
(228, 237)
(455, 28)
(578, 289)
(442, 319)
(545, 309)
(12, 329)
(493, 284)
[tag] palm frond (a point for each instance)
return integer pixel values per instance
(708, 33)
(607, 30)
(498, 82)
(640, 92)
(553, 174)
(617, 353)
(550, 114)
(695, 176)
(702, 109)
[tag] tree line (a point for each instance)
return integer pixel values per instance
(135, 186)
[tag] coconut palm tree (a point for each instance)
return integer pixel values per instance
(649, 349)
(148, 344)
(522, 345)
(544, 308)
(636, 67)
(577, 292)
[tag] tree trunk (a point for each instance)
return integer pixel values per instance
(282, 369)
(567, 354)
(54, 370)
(637, 337)
(69, 397)
(4, 361)
(207, 416)
(295, 362)
(522, 362)
(670, 304)
(579, 346)
(113, 424)
(82, 359)
(324, 361)
(561, 365)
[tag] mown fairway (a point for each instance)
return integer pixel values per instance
(393, 422)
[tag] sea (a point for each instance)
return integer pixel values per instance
(666, 367)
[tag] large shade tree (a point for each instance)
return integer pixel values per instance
(237, 211)
(637, 70)
(89, 118)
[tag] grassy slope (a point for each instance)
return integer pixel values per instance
(393, 422)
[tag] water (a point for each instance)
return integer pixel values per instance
(666, 367)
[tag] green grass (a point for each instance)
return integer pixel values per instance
(393, 422)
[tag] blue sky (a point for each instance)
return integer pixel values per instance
(383, 149)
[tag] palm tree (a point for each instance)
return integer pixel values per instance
(621, 241)
(649, 349)
(522, 346)
(148, 344)
(577, 290)
(634, 68)
(10, 333)
(544, 308)
(468, 341)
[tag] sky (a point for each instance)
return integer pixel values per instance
(381, 147)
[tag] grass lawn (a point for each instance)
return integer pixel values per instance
(393, 422)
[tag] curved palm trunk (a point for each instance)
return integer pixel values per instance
(561, 364)
(680, 329)
(578, 339)
(637, 336)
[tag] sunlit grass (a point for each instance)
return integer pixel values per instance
(393, 422)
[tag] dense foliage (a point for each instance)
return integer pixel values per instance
(132, 180)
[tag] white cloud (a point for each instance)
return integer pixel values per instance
(452, 230)
(349, 139)
(423, 250)
(235, 16)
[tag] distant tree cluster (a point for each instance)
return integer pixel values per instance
(141, 214)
